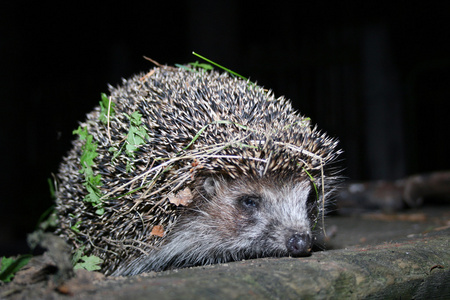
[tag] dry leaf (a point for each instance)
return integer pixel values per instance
(183, 197)
(158, 230)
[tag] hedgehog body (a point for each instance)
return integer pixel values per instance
(193, 167)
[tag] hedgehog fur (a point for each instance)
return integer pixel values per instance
(226, 172)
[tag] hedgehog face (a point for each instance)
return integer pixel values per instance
(237, 219)
(259, 217)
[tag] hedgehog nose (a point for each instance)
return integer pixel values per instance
(299, 244)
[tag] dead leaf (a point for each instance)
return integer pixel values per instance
(158, 230)
(183, 197)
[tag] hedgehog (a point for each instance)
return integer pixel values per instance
(183, 166)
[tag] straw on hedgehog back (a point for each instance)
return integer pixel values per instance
(246, 171)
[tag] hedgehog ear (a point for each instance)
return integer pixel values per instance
(210, 185)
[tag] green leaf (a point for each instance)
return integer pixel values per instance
(77, 255)
(92, 182)
(90, 263)
(82, 132)
(9, 266)
(137, 134)
(89, 150)
(76, 227)
(104, 104)
(116, 152)
(93, 195)
(87, 158)
(204, 66)
(136, 118)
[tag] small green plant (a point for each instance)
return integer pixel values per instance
(137, 135)
(89, 150)
(92, 182)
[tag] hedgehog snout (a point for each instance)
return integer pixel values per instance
(299, 244)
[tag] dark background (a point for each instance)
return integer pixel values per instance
(376, 74)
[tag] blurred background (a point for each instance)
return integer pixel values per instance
(375, 75)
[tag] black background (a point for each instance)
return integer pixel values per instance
(376, 74)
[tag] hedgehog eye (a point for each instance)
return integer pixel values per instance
(249, 201)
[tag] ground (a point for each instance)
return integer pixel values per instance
(402, 255)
